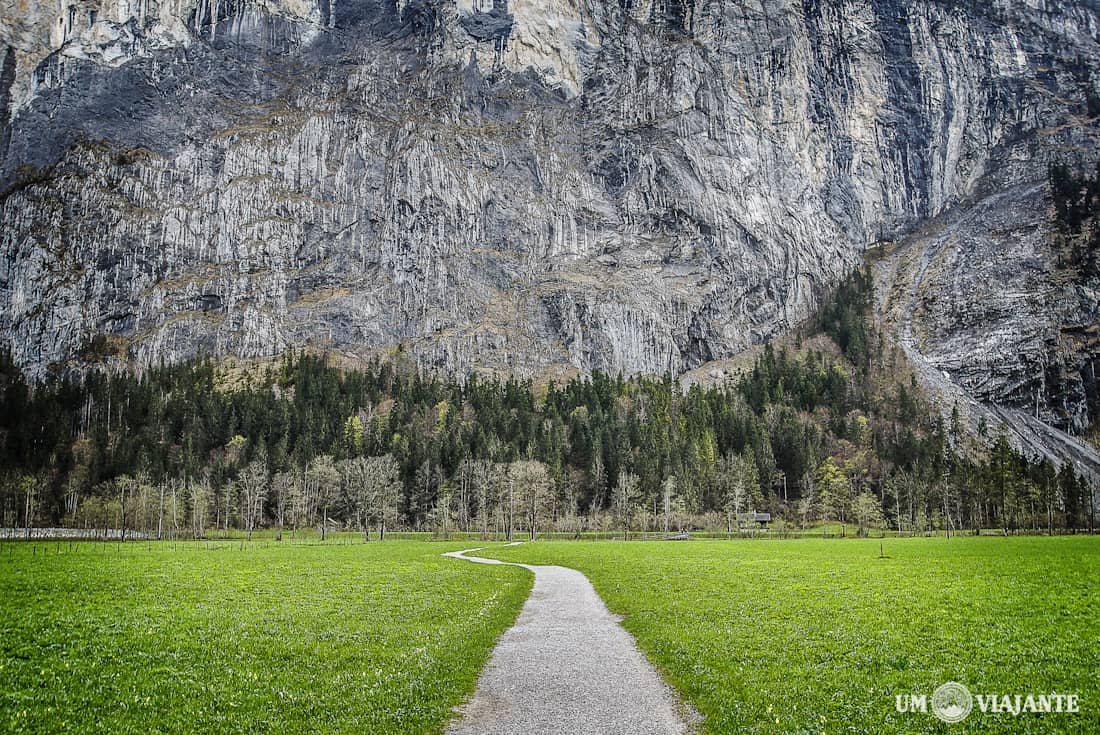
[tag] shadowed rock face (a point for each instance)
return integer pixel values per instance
(530, 186)
(7, 80)
(492, 25)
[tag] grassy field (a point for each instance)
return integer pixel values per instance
(770, 636)
(213, 638)
(813, 636)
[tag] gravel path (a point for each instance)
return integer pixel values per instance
(567, 668)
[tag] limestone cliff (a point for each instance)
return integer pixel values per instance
(535, 186)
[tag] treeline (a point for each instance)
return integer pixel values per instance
(830, 427)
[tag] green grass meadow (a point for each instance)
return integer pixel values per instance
(227, 638)
(760, 636)
(818, 636)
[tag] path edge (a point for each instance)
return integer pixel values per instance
(689, 715)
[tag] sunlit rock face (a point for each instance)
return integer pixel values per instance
(526, 186)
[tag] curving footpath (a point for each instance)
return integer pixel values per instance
(567, 668)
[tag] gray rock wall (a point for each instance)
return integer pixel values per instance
(529, 186)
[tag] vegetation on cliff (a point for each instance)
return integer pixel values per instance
(828, 428)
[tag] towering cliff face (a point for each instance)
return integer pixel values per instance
(530, 186)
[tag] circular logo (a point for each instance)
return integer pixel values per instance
(952, 702)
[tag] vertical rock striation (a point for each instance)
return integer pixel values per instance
(530, 186)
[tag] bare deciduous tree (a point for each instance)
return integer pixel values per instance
(624, 498)
(668, 492)
(28, 487)
(739, 482)
(482, 478)
(533, 486)
(283, 488)
(360, 491)
(252, 481)
(387, 487)
(230, 492)
(323, 478)
(201, 494)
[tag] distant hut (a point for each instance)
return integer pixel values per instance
(759, 520)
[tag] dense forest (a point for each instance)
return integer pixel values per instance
(826, 426)
(1075, 195)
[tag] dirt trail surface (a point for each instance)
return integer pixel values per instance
(567, 668)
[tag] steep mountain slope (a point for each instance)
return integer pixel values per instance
(531, 186)
(994, 328)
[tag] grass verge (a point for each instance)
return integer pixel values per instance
(813, 636)
(158, 638)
